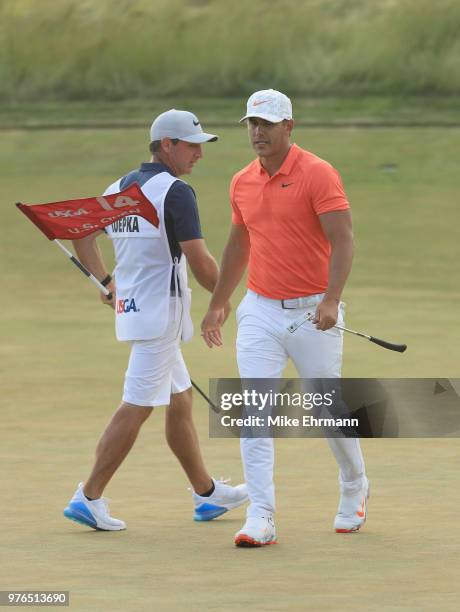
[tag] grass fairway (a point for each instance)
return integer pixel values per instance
(62, 376)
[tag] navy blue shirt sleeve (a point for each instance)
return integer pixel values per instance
(182, 220)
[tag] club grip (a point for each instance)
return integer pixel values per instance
(400, 348)
(109, 296)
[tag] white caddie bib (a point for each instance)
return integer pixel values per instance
(143, 271)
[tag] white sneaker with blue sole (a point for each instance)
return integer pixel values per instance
(93, 514)
(223, 499)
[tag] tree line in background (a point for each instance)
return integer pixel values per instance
(121, 49)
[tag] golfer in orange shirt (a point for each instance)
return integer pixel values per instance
(291, 225)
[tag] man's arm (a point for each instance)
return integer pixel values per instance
(203, 266)
(201, 262)
(89, 254)
(234, 261)
(337, 227)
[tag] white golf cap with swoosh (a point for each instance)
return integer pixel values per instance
(181, 125)
(270, 105)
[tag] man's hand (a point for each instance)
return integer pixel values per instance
(326, 314)
(110, 287)
(210, 326)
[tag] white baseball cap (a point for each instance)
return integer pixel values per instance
(181, 125)
(270, 105)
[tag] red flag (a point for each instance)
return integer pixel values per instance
(73, 219)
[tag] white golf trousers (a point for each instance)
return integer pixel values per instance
(264, 346)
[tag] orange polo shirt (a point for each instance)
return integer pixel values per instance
(289, 254)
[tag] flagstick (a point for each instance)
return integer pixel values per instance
(85, 271)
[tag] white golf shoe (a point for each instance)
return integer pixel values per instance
(352, 511)
(223, 499)
(257, 531)
(94, 513)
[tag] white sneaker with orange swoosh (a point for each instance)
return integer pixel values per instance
(257, 531)
(352, 511)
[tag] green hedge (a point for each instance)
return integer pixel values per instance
(120, 49)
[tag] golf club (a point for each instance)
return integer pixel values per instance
(203, 395)
(308, 316)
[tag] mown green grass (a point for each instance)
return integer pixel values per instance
(402, 186)
(345, 111)
(111, 50)
(62, 370)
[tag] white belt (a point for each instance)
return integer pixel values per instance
(301, 302)
(289, 303)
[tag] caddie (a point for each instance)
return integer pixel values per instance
(151, 299)
(291, 224)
